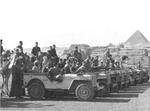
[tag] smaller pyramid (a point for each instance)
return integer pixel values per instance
(137, 40)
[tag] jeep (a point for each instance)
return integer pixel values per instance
(85, 86)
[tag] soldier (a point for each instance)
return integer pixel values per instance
(86, 65)
(124, 62)
(36, 49)
(60, 63)
(49, 53)
(36, 68)
(102, 66)
(1, 50)
(46, 67)
(54, 54)
(73, 67)
(53, 72)
(20, 47)
(112, 61)
(1, 44)
(21, 53)
(107, 53)
(17, 77)
(95, 62)
(75, 53)
(66, 68)
(55, 58)
(107, 62)
(80, 57)
(40, 59)
(82, 68)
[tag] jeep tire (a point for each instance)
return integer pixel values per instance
(84, 92)
(36, 90)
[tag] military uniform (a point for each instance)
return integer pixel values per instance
(53, 52)
(75, 53)
(53, 72)
(95, 63)
(17, 79)
(35, 51)
(21, 48)
(1, 55)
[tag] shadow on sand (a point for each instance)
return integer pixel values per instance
(124, 96)
(24, 103)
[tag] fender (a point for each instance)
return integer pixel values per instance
(31, 81)
(75, 83)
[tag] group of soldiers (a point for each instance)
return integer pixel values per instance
(43, 62)
(49, 62)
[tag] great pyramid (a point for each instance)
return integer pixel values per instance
(137, 40)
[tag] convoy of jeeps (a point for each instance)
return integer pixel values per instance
(85, 86)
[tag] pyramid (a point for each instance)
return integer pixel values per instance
(137, 40)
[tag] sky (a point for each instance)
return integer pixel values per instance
(66, 22)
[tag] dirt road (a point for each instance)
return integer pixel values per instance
(135, 98)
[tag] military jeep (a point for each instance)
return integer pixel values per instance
(83, 86)
(140, 75)
(114, 78)
(145, 75)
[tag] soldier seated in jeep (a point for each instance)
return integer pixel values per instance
(86, 66)
(53, 72)
(46, 67)
(36, 68)
(66, 68)
(95, 64)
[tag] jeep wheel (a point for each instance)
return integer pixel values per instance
(36, 90)
(84, 92)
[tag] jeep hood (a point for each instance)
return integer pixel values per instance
(80, 76)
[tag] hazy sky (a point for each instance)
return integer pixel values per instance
(63, 22)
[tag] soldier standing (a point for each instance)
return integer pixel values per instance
(49, 53)
(1, 50)
(20, 47)
(1, 45)
(75, 53)
(54, 54)
(35, 51)
(17, 77)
